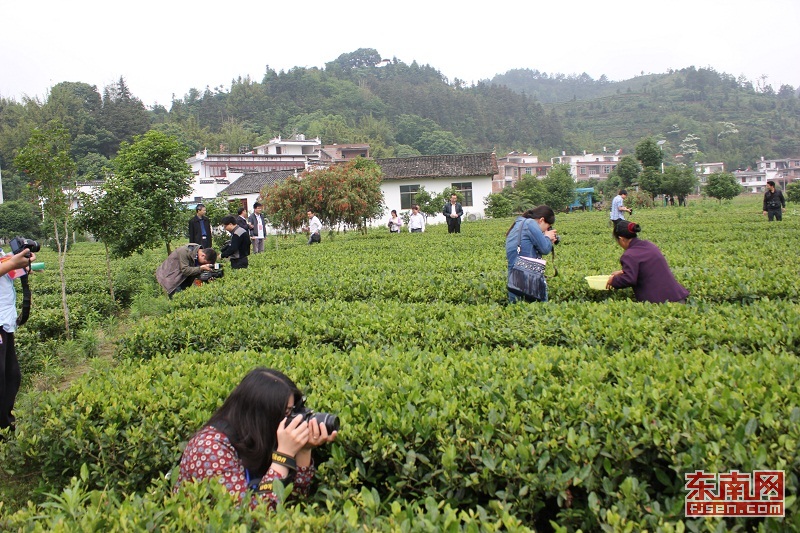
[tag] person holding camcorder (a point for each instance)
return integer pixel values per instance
(263, 432)
(23, 254)
(185, 265)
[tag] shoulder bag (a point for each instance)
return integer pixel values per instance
(526, 277)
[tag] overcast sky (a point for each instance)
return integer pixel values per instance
(166, 47)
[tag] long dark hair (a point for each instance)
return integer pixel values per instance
(542, 211)
(251, 413)
(626, 229)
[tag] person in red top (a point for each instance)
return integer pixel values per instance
(644, 268)
(253, 440)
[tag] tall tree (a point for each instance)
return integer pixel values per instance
(46, 159)
(678, 180)
(649, 153)
(101, 214)
(346, 195)
(628, 170)
(20, 217)
(722, 186)
(559, 187)
(154, 168)
(122, 114)
(650, 180)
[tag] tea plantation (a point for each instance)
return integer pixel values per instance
(459, 412)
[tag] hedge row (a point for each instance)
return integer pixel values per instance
(579, 435)
(668, 329)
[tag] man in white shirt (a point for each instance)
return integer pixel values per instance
(314, 227)
(416, 222)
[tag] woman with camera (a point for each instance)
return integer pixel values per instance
(395, 222)
(644, 268)
(531, 235)
(259, 435)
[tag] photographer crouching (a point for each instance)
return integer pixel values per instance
(10, 375)
(186, 265)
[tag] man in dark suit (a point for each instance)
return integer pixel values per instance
(241, 219)
(452, 212)
(200, 228)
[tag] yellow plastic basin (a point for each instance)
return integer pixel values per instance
(597, 283)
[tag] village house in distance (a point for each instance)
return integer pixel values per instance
(242, 176)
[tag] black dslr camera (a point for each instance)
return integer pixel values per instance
(214, 273)
(558, 237)
(331, 422)
(21, 243)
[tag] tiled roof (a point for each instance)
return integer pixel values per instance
(438, 166)
(254, 182)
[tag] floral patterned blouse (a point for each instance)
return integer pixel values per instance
(210, 454)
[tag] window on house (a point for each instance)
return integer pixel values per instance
(466, 191)
(583, 171)
(407, 193)
(606, 169)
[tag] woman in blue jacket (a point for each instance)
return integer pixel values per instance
(537, 238)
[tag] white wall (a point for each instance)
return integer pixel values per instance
(481, 188)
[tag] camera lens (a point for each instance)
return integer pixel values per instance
(330, 421)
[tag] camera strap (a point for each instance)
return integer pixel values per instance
(26, 299)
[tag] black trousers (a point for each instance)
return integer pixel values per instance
(777, 214)
(240, 262)
(453, 224)
(10, 378)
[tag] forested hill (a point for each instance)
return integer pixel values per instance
(702, 114)
(410, 109)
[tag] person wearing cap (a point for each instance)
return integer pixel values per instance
(644, 268)
(618, 207)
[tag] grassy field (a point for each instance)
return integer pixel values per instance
(459, 411)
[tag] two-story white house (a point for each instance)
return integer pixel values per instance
(751, 180)
(781, 171)
(589, 166)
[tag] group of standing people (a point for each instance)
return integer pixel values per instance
(452, 211)
(416, 221)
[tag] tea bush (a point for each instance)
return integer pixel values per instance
(458, 412)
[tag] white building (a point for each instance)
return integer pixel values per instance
(470, 174)
(751, 180)
(296, 146)
(215, 172)
(781, 171)
(589, 166)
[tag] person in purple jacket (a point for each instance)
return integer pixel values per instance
(644, 268)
